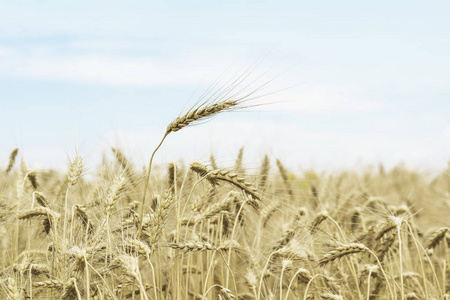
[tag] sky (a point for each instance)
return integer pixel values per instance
(350, 84)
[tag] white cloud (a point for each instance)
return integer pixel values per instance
(109, 44)
(319, 99)
(5, 51)
(446, 133)
(98, 69)
(173, 71)
(186, 69)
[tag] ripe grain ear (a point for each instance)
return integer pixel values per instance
(12, 160)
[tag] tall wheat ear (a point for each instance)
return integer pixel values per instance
(228, 98)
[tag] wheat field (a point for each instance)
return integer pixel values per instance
(208, 231)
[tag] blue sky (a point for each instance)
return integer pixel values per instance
(367, 81)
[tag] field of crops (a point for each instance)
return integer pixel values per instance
(208, 231)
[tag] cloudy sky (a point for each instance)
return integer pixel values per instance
(352, 83)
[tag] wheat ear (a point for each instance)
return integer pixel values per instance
(32, 177)
(284, 175)
(390, 224)
(287, 236)
(12, 159)
(265, 168)
(138, 247)
(212, 160)
(171, 177)
(41, 199)
(329, 296)
(76, 168)
(238, 165)
(342, 251)
(224, 175)
(436, 238)
(219, 207)
(227, 294)
(318, 219)
(39, 212)
(192, 246)
(208, 109)
(80, 211)
(11, 289)
(126, 165)
(200, 113)
(115, 191)
(49, 284)
(158, 221)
